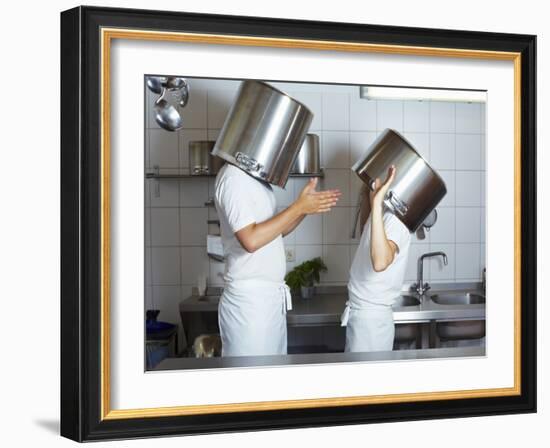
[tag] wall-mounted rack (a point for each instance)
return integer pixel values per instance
(155, 174)
(176, 176)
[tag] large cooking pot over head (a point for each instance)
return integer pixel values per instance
(416, 189)
(263, 132)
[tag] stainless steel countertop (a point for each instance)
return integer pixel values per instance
(326, 307)
(315, 358)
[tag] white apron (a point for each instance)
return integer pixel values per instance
(252, 318)
(369, 326)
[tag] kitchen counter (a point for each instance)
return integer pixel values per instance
(326, 307)
(315, 358)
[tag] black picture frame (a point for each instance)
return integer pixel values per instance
(81, 381)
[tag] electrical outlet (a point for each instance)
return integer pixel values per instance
(290, 254)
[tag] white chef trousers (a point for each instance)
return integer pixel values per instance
(369, 326)
(252, 318)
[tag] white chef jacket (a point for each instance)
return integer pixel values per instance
(252, 309)
(368, 314)
(380, 287)
(242, 200)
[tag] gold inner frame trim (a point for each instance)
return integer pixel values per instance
(107, 35)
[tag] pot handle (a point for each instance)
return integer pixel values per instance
(247, 163)
(372, 184)
(397, 204)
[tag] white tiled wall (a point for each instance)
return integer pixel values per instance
(451, 136)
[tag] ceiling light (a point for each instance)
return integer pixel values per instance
(421, 94)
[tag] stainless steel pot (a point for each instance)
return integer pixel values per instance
(307, 161)
(263, 132)
(201, 161)
(416, 189)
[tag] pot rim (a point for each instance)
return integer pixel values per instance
(412, 148)
(266, 84)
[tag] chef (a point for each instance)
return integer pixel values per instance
(255, 299)
(376, 274)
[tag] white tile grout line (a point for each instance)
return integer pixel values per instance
(147, 210)
(206, 109)
(350, 181)
(471, 170)
(198, 245)
(480, 198)
(331, 130)
(403, 117)
(455, 189)
(321, 120)
(284, 206)
(151, 251)
(147, 133)
(207, 194)
(179, 226)
(429, 236)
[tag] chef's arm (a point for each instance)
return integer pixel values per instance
(310, 187)
(293, 225)
(256, 235)
(365, 208)
(382, 250)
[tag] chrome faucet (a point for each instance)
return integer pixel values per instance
(420, 287)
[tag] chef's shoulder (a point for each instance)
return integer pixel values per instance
(396, 230)
(232, 180)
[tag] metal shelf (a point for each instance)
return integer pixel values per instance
(193, 176)
(321, 174)
(176, 176)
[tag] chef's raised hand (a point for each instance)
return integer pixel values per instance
(311, 201)
(380, 189)
(256, 235)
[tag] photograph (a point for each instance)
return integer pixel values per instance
(295, 223)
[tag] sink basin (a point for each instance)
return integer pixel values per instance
(406, 301)
(458, 299)
(406, 332)
(466, 329)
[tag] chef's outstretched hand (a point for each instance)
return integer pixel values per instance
(310, 201)
(380, 189)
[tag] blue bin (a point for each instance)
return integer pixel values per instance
(155, 354)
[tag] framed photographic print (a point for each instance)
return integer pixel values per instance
(274, 223)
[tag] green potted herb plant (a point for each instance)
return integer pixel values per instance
(304, 276)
